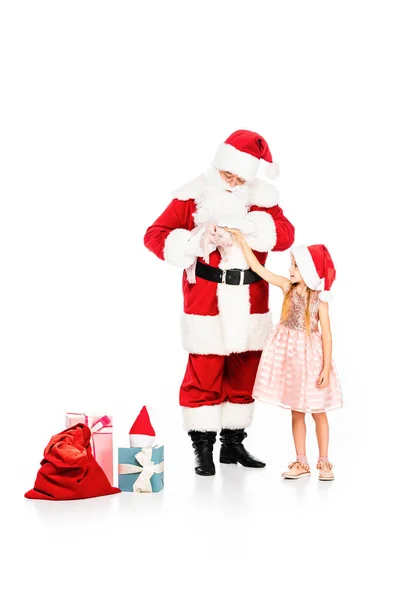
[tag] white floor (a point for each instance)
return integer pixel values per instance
(241, 532)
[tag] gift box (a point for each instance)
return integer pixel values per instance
(141, 469)
(101, 428)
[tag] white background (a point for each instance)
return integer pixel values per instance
(105, 108)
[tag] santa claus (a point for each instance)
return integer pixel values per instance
(226, 318)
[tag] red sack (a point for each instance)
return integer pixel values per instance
(69, 470)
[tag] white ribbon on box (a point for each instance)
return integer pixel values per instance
(146, 470)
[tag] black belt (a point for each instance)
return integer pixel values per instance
(230, 276)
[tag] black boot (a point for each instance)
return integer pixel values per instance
(233, 451)
(203, 442)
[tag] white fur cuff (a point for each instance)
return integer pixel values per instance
(175, 248)
(264, 237)
(236, 416)
(202, 418)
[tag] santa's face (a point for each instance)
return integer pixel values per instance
(231, 179)
(294, 272)
(224, 182)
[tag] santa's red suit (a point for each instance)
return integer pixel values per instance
(224, 326)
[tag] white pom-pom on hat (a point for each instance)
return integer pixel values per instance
(270, 170)
(325, 296)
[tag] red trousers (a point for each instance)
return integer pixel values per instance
(211, 379)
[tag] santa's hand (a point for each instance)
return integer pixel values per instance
(194, 246)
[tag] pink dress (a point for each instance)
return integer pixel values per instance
(292, 361)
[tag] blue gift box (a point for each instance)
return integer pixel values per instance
(148, 464)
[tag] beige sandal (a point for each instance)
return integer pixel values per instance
(296, 470)
(325, 471)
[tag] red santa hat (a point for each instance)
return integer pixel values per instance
(315, 263)
(141, 433)
(68, 470)
(242, 153)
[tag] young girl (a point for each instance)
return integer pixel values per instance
(296, 369)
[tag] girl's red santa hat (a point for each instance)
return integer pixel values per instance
(141, 433)
(242, 153)
(315, 263)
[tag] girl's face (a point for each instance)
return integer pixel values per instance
(295, 276)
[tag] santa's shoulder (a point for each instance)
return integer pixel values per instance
(263, 194)
(191, 190)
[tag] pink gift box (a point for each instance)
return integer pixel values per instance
(101, 440)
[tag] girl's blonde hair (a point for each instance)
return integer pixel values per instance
(286, 305)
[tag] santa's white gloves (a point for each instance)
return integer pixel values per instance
(194, 246)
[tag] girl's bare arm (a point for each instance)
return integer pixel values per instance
(255, 264)
(326, 344)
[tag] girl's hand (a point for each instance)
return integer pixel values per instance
(323, 380)
(253, 261)
(238, 235)
(235, 232)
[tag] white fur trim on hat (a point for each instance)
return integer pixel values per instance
(263, 194)
(175, 248)
(235, 161)
(306, 266)
(202, 418)
(326, 296)
(264, 237)
(236, 416)
(138, 440)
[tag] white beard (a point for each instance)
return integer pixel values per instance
(223, 208)
(226, 209)
(219, 203)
